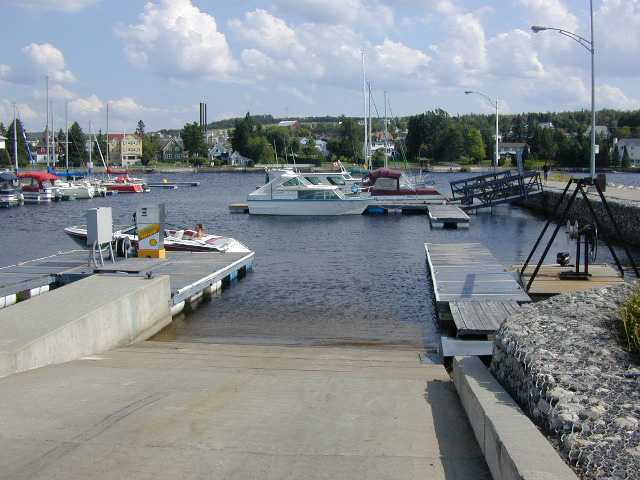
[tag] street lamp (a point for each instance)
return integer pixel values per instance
(590, 46)
(494, 103)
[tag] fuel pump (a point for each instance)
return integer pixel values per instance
(150, 226)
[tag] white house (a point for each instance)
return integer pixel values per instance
(320, 145)
(238, 160)
(632, 145)
(217, 151)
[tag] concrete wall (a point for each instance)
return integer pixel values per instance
(84, 318)
(625, 212)
(512, 445)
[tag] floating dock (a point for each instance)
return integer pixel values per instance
(447, 216)
(474, 294)
(174, 184)
(192, 274)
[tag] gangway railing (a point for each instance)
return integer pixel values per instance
(495, 188)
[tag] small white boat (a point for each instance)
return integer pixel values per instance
(175, 240)
(343, 179)
(78, 190)
(10, 193)
(38, 186)
(292, 194)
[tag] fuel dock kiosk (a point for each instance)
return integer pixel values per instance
(150, 225)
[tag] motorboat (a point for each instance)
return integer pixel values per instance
(175, 240)
(124, 184)
(10, 192)
(291, 193)
(343, 179)
(38, 186)
(73, 187)
(393, 187)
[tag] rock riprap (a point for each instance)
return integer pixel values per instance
(559, 359)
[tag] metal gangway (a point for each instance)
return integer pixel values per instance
(492, 189)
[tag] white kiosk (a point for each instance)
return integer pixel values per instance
(99, 233)
(150, 225)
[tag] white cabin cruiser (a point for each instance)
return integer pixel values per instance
(292, 194)
(343, 179)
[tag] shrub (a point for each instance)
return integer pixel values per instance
(629, 326)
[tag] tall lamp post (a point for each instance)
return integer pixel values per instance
(590, 46)
(494, 103)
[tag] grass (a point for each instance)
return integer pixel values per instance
(629, 325)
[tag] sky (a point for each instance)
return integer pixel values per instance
(156, 61)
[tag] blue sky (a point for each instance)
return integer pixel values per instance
(156, 61)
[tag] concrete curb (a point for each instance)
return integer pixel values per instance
(84, 318)
(512, 445)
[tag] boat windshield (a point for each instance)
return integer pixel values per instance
(292, 182)
(336, 180)
(318, 195)
(383, 183)
(314, 180)
(405, 182)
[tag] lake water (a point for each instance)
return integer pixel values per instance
(354, 280)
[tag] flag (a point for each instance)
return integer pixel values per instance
(335, 164)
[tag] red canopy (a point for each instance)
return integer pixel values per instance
(39, 177)
(113, 172)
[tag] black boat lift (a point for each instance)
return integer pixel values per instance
(495, 188)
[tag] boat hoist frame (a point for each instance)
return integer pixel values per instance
(580, 185)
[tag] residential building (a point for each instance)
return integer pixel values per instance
(238, 160)
(124, 149)
(171, 151)
(217, 151)
(632, 146)
(601, 131)
(289, 123)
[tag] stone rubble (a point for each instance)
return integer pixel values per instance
(559, 359)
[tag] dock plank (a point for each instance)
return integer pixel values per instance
(480, 317)
(468, 271)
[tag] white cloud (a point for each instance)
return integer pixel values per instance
(86, 107)
(617, 39)
(511, 56)
(56, 92)
(338, 12)
(179, 42)
(23, 111)
(552, 13)
(40, 61)
(296, 93)
(38, 6)
(397, 57)
(614, 97)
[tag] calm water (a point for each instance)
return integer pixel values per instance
(356, 280)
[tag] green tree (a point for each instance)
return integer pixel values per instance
(140, 128)
(150, 147)
(99, 152)
(473, 144)
(259, 150)
(626, 160)
(76, 145)
(309, 148)
(241, 134)
(23, 154)
(193, 139)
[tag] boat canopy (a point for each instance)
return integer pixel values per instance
(39, 177)
(385, 181)
(67, 174)
(7, 177)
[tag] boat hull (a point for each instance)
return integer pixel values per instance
(350, 206)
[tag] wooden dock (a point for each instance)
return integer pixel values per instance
(447, 216)
(548, 283)
(474, 294)
(191, 273)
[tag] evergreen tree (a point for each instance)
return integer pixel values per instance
(626, 160)
(76, 145)
(193, 139)
(23, 153)
(241, 134)
(140, 129)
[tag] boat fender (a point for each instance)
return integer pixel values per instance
(355, 188)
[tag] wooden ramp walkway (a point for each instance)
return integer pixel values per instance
(473, 292)
(447, 216)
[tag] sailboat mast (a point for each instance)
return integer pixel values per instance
(364, 91)
(46, 128)
(90, 166)
(53, 137)
(386, 134)
(66, 145)
(369, 147)
(15, 138)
